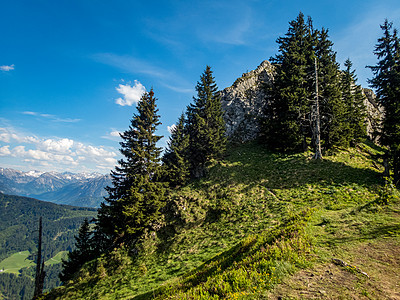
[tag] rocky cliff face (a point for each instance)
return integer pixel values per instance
(245, 102)
(374, 114)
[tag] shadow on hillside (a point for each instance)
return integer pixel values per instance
(372, 233)
(288, 171)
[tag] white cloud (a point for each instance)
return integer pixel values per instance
(171, 128)
(7, 68)
(113, 135)
(131, 94)
(54, 154)
(5, 151)
(62, 145)
(8, 135)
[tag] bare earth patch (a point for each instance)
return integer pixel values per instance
(379, 259)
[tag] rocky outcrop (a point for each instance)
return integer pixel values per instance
(374, 114)
(246, 101)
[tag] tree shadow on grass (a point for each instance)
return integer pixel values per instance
(373, 232)
(256, 165)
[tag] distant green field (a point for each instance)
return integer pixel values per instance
(56, 259)
(16, 262)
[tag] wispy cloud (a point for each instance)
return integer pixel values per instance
(51, 117)
(130, 64)
(136, 66)
(131, 94)
(178, 89)
(236, 34)
(7, 68)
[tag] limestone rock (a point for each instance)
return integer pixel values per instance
(375, 114)
(244, 103)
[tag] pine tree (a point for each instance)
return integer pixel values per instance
(353, 99)
(84, 251)
(175, 163)
(134, 201)
(205, 125)
(386, 82)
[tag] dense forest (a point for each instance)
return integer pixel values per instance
(19, 232)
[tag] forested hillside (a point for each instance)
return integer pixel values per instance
(215, 219)
(18, 240)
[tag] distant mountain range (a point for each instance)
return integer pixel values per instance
(82, 189)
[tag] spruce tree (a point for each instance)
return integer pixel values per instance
(175, 162)
(386, 82)
(205, 125)
(136, 197)
(83, 252)
(353, 98)
(290, 118)
(288, 122)
(333, 122)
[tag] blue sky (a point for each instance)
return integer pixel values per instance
(72, 71)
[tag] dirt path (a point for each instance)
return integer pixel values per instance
(380, 260)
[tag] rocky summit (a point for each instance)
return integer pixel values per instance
(246, 102)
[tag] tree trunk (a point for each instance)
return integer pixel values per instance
(317, 127)
(40, 273)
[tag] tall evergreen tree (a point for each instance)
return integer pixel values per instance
(291, 92)
(291, 115)
(333, 122)
(175, 161)
(134, 201)
(83, 252)
(386, 82)
(353, 99)
(205, 125)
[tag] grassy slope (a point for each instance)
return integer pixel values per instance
(256, 218)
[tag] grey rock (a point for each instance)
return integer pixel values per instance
(246, 102)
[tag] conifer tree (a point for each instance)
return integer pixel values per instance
(353, 98)
(288, 122)
(333, 122)
(290, 116)
(134, 201)
(175, 162)
(83, 252)
(386, 82)
(205, 125)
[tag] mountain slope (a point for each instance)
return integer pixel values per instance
(18, 235)
(83, 189)
(86, 193)
(252, 222)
